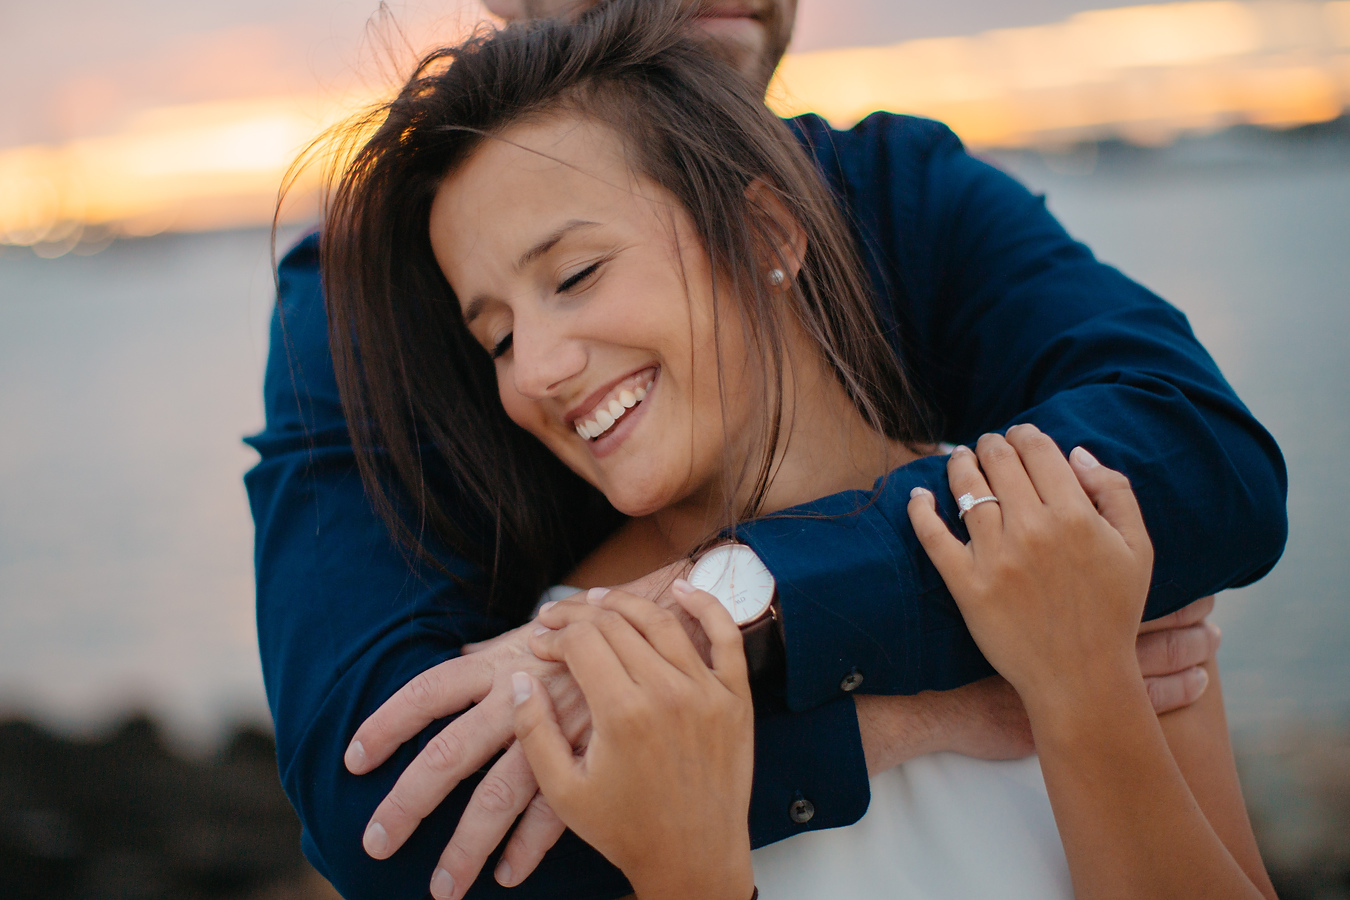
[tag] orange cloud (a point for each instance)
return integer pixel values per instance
(1145, 73)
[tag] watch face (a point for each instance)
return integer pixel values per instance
(734, 574)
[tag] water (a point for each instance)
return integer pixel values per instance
(127, 379)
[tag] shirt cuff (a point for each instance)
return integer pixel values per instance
(860, 599)
(810, 772)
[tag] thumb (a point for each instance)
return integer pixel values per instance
(1110, 492)
(537, 730)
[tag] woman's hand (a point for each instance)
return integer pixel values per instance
(663, 788)
(1054, 579)
(1052, 585)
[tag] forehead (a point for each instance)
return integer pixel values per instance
(525, 183)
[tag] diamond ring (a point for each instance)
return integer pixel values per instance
(967, 502)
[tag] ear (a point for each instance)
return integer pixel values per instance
(789, 248)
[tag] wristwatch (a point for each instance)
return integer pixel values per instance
(738, 578)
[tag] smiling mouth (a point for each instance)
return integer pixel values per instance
(625, 397)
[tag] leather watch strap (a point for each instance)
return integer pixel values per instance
(764, 651)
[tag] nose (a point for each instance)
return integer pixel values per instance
(543, 357)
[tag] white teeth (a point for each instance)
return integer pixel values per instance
(606, 416)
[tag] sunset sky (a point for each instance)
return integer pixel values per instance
(171, 116)
(75, 67)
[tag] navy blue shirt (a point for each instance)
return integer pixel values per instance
(1001, 317)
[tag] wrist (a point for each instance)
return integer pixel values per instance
(1087, 708)
(733, 881)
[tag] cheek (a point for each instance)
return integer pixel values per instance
(519, 408)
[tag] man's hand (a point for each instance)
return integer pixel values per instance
(987, 720)
(509, 788)
(1172, 653)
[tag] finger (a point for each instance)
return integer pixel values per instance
(1177, 649)
(446, 760)
(499, 799)
(1007, 476)
(599, 673)
(728, 645)
(1110, 493)
(660, 627)
(436, 693)
(1187, 615)
(640, 660)
(1051, 475)
(538, 831)
(539, 735)
(1169, 692)
(553, 621)
(984, 522)
(951, 557)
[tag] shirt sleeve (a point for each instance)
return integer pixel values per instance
(344, 620)
(1006, 319)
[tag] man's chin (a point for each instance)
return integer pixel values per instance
(740, 42)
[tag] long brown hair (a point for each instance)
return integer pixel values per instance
(420, 394)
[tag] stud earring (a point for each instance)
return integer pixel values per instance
(777, 277)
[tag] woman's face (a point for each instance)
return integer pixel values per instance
(592, 291)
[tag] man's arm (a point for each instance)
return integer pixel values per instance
(1006, 319)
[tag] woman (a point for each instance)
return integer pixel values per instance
(543, 257)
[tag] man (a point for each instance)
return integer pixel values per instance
(1000, 316)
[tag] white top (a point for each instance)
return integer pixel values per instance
(939, 827)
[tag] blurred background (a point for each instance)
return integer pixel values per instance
(1202, 147)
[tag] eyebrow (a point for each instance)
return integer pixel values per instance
(475, 306)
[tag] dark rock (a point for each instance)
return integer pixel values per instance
(124, 817)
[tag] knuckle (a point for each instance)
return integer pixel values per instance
(421, 693)
(443, 752)
(495, 795)
(456, 858)
(608, 620)
(996, 449)
(539, 807)
(1175, 650)
(394, 803)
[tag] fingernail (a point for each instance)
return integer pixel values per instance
(1203, 676)
(442, 885)
(376, 840)
(547, 606)
(960, 449)
(1084, 458)
(521, 684)
(920, 492)
(355, 758)
(595, 595)
(682, 586)
(503, 873)
(542, 629)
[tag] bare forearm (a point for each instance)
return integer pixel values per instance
(897, 729)
(1130, 823)
(985, 720)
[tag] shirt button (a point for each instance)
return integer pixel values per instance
(801, 811)
(851, 681)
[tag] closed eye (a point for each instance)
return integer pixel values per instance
(580, 277)
(499, 349)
